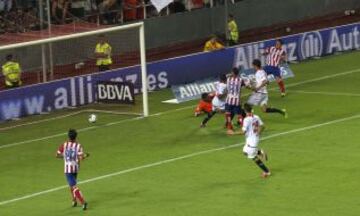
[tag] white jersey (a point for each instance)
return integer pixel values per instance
(251, 127)
(218, 101)
(220, 90)
(260, 77)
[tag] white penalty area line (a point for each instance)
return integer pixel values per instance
(122, 172)
(158, 114)
(68, 115)
(89, 128)
(327, 93)
(323, 78)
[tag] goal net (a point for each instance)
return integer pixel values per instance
(51, 56)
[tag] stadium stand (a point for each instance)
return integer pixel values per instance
(96, 16)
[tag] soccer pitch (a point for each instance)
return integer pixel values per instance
(167, 165)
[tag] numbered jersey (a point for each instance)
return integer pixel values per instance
(71, 152)
(251, 127)
(234, 85)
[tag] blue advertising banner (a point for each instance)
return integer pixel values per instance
(77, 91)
(80, 90)
(304, 45)
(191, 91)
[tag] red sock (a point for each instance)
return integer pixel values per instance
(240, 120)
(78, 195)
(282, 86)
(72, 194)
(228, 121)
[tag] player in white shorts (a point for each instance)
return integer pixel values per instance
(252, 128)
(218, 102)
(260, 97)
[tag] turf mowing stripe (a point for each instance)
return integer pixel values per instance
(170, 111)
(177, 159)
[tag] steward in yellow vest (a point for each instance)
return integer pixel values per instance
(233, 31)
(213, 44)
(103, 54)
(12, 72)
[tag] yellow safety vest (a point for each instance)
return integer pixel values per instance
(103, 49)
(12, 73)
(233, 29)
(209, 46)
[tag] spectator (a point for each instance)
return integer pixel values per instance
(213, 44)
(177, 6)
(103, 54)
(77, 8)
(12, 72)
(194, 4)
(59, 11)
(30, 22)
(232, 31)
(6, 5)
(109, 10)
(133, 10)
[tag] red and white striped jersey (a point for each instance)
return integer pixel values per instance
(274, 56)
(233, 86)
(71, 152)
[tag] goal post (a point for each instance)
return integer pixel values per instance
(143, 70)
(64, 53)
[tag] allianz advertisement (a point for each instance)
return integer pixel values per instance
(77, 91)
(304, 46)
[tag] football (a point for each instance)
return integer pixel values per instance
(92, 118)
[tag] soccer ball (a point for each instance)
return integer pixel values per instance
(92, 118)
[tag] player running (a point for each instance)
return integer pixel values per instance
(252, 128)
(218, 102)
(232, 102)
(259, 96)
(275, 55)
(72, 153)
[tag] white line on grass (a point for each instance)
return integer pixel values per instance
(68, 115)
(327, 93)
(177, 159)
(170, 111)
(323, 78)
(41, 121)
(88, 128)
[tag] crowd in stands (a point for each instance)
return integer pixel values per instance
(17, 19)
(23, 15)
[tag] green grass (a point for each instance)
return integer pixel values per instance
(315, 170)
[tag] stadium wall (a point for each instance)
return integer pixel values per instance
(249, 14)
(77, 91)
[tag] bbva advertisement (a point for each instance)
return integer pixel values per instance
(81, 90)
